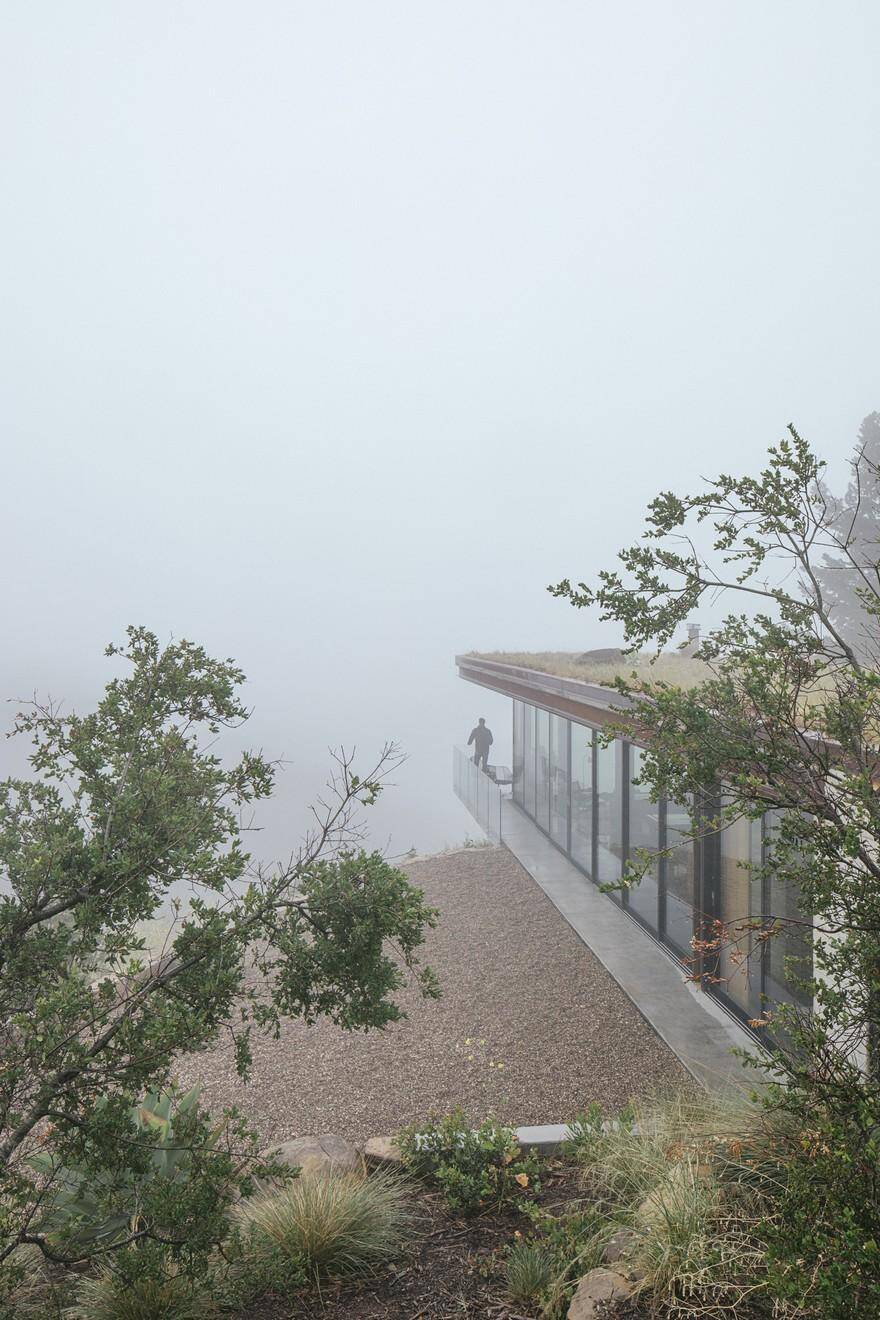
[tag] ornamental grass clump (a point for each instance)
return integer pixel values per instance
(530, 1272)
(162, 1295)
(475, 1168)
(564, 1248)
(26, 1291)
(337, 1225)
(696, 1180)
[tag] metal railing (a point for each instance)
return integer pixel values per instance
(478, 792)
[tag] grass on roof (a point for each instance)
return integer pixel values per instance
(668, 667)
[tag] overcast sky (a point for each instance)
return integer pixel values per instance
(333, 332)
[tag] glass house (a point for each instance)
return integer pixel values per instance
(583, 793)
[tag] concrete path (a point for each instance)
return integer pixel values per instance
(696, 1028)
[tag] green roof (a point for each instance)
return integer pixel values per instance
(603, 667)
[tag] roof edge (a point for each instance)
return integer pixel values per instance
(590, 703)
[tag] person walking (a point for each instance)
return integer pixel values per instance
(482, 739)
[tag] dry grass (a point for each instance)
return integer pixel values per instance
(26, 1292)
(102, 1296)
(681, 671)
(693, 1177)
(344, 1224)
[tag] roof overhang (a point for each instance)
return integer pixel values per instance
(585, 703)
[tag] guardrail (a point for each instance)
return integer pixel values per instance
(476, 791)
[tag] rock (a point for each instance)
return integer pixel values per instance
(619, 1245)
(598, 1286)
(604, 655)
(383, 1151)
(318, 1157)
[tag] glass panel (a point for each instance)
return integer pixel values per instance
(789, 956)
(542, 768)
(609, 785)
(518, 795)
(679, 900)
(644, 832)
(582, 796)
(529, 759)
(739, 901)
(559, 780)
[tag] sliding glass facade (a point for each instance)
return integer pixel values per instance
(587, 797)
(645, 839)
(583, 756)
(559, 780)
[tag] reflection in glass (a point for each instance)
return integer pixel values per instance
(542, 768)
(559, 780)
(518, 793)
(739, 962)
(609, 796)
(582, 796)
(644, 832)
(529, 759)
(679, 867)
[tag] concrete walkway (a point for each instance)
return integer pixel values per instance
(694, 1027)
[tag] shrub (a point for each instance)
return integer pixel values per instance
(174, 1185)
(249, 1267)
(809, 659)
(343, 1224)
(474, 1168)
(824, 1238)
(126, 806)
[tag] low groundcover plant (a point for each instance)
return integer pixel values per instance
(476, 1168)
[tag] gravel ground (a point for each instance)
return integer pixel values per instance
(530, 1026)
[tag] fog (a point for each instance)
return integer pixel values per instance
(333, 332)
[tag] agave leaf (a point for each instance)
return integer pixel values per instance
(108, 1228)
(214, 1135)
(186, 1102)
(41, 1162)
(146, 1119)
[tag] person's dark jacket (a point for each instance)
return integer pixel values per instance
(482, 738)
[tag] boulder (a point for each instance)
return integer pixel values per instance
(603, 655)
(598, 1286)
(383, 1151)
(619, 1245)
(318, 1157)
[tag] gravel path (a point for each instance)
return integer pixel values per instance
(530, 1026)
